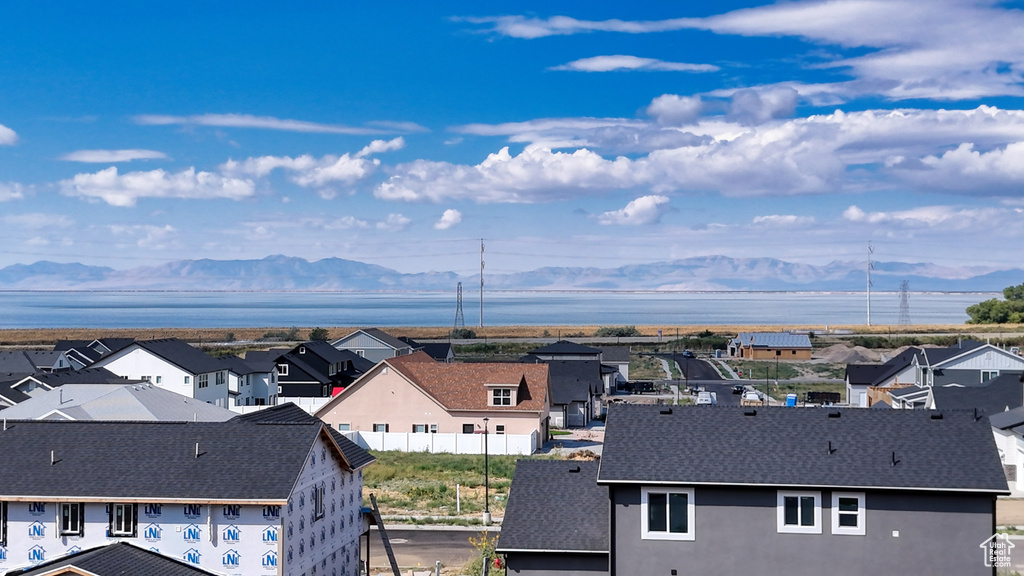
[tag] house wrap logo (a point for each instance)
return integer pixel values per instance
(192, 556)
(192, 533)
(232, 512)
(37, 530)
(193, 511)
(3, 554)
(231, 559)
(270, 535)
(230, 534)
(997, 549)
(36, 554)
(152, 533)
(153, 510)
(269, 561)
(271, 512)
(37, 508)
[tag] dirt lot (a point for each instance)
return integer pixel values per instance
(1010, 512)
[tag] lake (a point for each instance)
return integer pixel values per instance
(155, 309)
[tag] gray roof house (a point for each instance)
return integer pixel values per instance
(172, 364)
(373, 344)
(82, 353)
(733, 490)
(256, 494)
(556, 519)
(21, 389)
(139, 401)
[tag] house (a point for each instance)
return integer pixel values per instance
(576, 389)
(313, 369)
(566, 350)
(784, 491)
(415, 394)
(207, 493)
(1002, 393)
(172, 364)
(48, 360)
(556, 520)
(771, 345)
(141, 401)
(440, 351)
(250, 383)
(1008, 431)
(82, 353)
(373, 344)
(115, 559)
(965, 363)
(615, 366)
(25, 387)
(15, 364)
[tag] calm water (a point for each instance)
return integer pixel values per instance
(258, 309)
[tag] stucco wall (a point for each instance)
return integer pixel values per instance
(736, 533)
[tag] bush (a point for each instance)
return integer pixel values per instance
(319, 334)
(289, 335)
(617, 331)
(463, 334)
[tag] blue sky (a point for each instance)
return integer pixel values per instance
(597, 134)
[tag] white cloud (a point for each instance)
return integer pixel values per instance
(271, 123)
(378, 146)
(944, 217)
(125, 189)
(530, 28)
(643, 210)
(759, 106)
(394, 222)
(783, 220)
(998, 172)
(450, 218)
(7, 136)
(11, 191)
(625, 62)
(617, 135)
(675, 110)
(146, 236)
(111, 156)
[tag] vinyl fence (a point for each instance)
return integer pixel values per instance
(501, 444)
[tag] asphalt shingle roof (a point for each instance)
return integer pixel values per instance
(290, 413)
(555, 505)
(181, 354)
(117, 559)
(1000, 393)
(574, 380)
(565, 347)
(155, 460)
(779, 446)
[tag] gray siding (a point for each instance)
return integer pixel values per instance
(555, 564)
(736, 533)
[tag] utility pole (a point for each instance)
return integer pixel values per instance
(481, 282)
(871, 266)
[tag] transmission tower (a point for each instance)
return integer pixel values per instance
(460, 321)
(905, 303)
(871, 266)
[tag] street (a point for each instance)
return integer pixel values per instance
(422, 547)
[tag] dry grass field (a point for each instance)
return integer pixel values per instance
(46, 337)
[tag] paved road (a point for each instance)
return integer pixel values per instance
(422, 548)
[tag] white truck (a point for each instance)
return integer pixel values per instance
(707, 398)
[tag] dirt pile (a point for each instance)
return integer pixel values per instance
(844, 354)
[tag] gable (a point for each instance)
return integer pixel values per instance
(984, 358)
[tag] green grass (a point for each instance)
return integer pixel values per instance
(802, 388)
(645, 368)
(755, 369)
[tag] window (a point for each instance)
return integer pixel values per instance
(987, 375)
(282, 369)
(203, 380)
(123, 519)
(344, 427)
(799, 512)
(499, 429)
(361, 353)
(3, 523)
(380, 427)
(778, 352)
(221, 378)
(159, 379)
(433, 428)
(72, 519)
(187, 380)
(419, 428)
(467, 428)
(332, 369)
(666, 514)
(318, 501)
(501, 397)
(848, 513)
(146, 378)
(302, 349)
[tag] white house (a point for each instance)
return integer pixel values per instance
(194, 491)
(172, 364)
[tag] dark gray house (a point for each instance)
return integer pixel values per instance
(732, 490)
(313, 369)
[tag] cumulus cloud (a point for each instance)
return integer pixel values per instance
(616, 135)
(625, 62)
(111, 156)
(11, 191)
(643, 210)
(271, 123)
(7, 136)
(783, 220)
(125, 189)
(997, 172)
(145, 235)
(450, 218)
(675, 110)
(758, 106)
(394, 222)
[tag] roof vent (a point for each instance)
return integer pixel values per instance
(834, 414)
(665, 410)
(937, 416)
(750, 412)
(574, 469)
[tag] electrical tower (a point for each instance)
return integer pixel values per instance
(904, 303)
(871, 266)
(460, 322)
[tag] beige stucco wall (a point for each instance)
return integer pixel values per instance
(388, 398)
(769, 353)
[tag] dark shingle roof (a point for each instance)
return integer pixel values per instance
(574, 380)
(1000, 393)
(290, 413)
(938, 355)
(565, 347)
(94, 460)
(1008, 419)
(947, 450)
(181, 354)
(117, 559)
(83, 376)
(552, 508)
(618, 354)
(16, 362)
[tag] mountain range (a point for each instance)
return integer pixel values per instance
(705, 273)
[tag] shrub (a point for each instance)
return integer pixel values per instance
(319, 334)
(463, 334)
(617, 331)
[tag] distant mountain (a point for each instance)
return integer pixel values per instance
(701, 273)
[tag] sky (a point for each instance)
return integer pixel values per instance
(595, 134)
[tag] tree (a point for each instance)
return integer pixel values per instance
(319, 334)
(995, 311)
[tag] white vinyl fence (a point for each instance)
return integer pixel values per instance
(500, 444)
(310, 405)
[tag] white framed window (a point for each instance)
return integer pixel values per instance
(361, 353)
(302, 349)
(71, 519)
(344, 427)
(499, 429)
(501, 397)
(282, 369)
(848, 513)
(159, 379)
(419, 428)
(222, 377)
(187, 380)
(332, 369)
(380, 427)
(666, 514)
(799, 512)
(433, 428)
(146, 378)
(123, 519)
(203, 380)
(987, 375)
(318, 501)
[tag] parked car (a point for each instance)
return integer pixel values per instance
(738, 389)
(688, 354)
(751, 398)
(707, 398)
